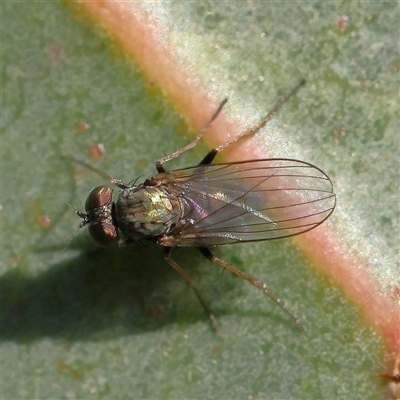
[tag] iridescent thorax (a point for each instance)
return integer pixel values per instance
(145, 212)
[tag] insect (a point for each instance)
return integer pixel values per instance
(210, 205)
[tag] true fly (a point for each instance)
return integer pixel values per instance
(211, 205)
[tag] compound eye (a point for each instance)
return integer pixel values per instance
(100, 196)
(99, 208)
(103, 233)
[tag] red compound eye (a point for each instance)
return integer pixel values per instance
(99, 213)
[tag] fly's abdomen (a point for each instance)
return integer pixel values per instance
(144, 212)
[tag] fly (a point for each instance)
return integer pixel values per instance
(211, 205)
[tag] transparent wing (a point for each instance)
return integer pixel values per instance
(249, 201)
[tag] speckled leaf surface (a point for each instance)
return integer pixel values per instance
(78, 321)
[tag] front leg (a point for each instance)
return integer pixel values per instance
(161, 161)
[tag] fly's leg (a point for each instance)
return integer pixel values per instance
(161, 161)
(189, 280)
(208, 159)
(262, 286)
(114, 181)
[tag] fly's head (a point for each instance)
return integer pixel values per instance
(99, 216)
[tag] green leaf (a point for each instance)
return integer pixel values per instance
(79, 321)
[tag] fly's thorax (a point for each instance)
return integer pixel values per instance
(144, 211)
(99, 216)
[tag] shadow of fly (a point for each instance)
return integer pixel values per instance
(212, 205)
